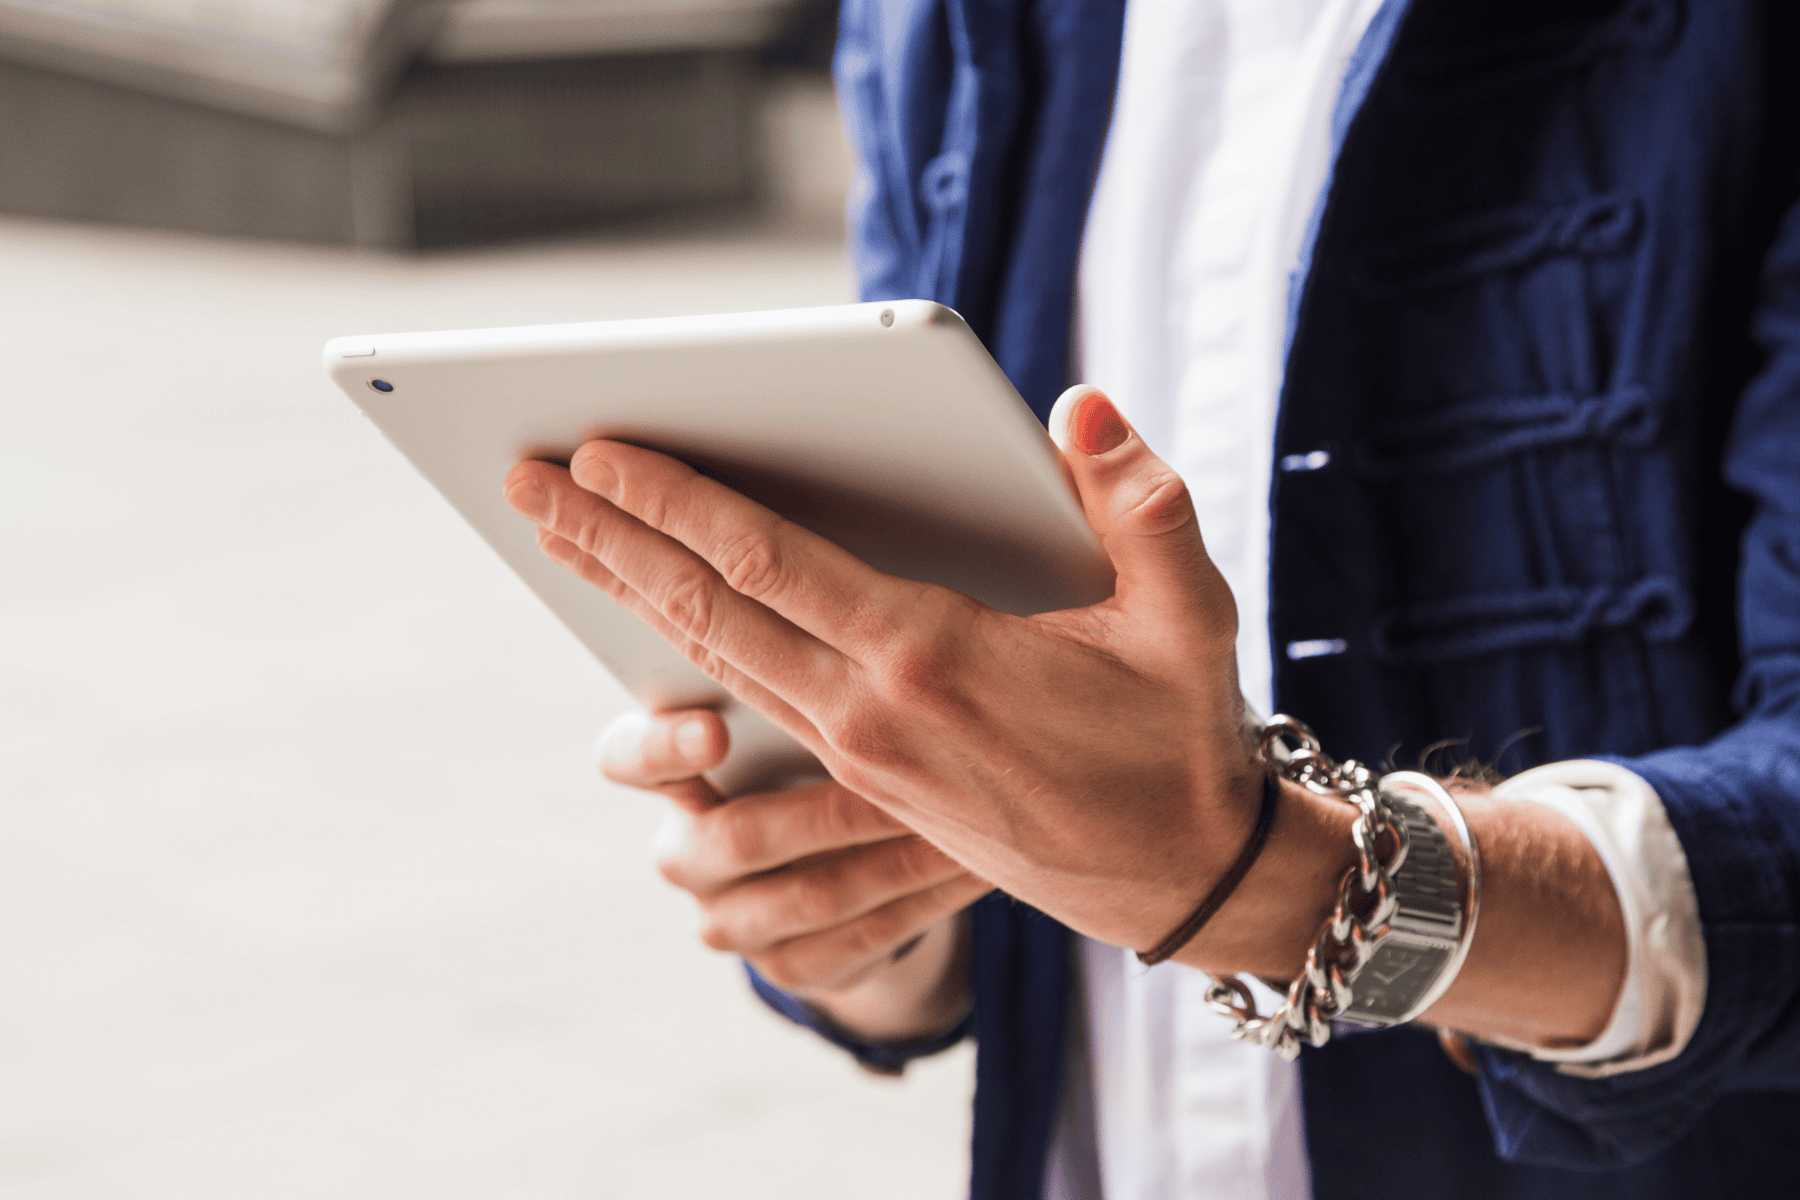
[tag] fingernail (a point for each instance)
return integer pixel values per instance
(594, 473)
(528, 497)
(674, 837)
(622, 742)
(692, 739)
(1097, 426)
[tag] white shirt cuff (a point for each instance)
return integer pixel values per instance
(1665, 980)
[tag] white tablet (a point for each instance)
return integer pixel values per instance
(885, 427)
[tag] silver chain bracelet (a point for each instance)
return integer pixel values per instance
(1402, 922)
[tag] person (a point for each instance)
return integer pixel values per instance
(1532, 468)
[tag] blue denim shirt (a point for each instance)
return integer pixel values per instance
(1548, 328)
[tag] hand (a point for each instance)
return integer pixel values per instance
(826, 895)
(1091, 762)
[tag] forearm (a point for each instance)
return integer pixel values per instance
(1549, 951)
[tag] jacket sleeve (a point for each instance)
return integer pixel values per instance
(896, 77)
(881, 1058)
(1735, 805)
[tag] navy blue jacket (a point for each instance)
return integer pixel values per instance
(1548, 328)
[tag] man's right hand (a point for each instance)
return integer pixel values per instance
(824, 894)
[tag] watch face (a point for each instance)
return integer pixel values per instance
(1391, 984)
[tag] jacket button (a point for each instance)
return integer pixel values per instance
(1306, 462)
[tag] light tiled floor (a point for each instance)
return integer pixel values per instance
(307, 888)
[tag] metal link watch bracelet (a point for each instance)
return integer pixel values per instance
(1404, 914)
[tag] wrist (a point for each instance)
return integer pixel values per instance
(1550, 956)
(1266, 926)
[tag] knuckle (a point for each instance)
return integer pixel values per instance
(708, 662)
(606, 581)
(922, 678)
(865, 737)
(876, 933)
(917, 863)
(838, 817)
(647, 504)
(751, 563)
(815, 899)
(594, 572)
(716, 934)
(637, 496)
(737, 835)
(921, 668)
(1160, 501)
(687, 603)
(586, 530)
(913, 671)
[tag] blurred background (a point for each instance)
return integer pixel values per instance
(307, 885)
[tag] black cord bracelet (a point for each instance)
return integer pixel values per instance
(1215, 899)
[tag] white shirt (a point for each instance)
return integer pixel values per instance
(1218, 148)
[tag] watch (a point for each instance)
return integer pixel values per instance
(1415, 956)
(1404, 915)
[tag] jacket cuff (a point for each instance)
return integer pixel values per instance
(1664, 991)
(881, 1058)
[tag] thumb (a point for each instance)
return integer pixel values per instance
(1142, 511)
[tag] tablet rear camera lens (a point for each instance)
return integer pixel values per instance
(887, 317)
(381, 385)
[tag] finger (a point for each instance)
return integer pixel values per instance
(570, 556)
(757, 912)
(646, 750)
(665, 753)
(675, 835)
(767, 831)
(837, 957)
(718, 625)
(1143, 513)
(824, 590)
